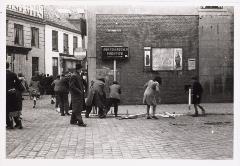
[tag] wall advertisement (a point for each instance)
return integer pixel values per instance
(166, 59)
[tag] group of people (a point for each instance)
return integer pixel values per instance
(76, 84)
(152, 96)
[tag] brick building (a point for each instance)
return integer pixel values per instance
(174, 43)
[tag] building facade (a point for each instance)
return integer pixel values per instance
(64, 41)
(25, 42)
(42, 40)
(167, 42)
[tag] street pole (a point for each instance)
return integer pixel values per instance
(114, 69)
(189, 99)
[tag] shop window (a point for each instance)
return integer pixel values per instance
(75, 42)
(65, 43)
(54, 40)
(35, 37)
(18, 34)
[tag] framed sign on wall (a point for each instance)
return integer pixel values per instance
(147, 56)
(166, 59)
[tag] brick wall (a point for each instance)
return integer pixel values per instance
(216, 55)
(137, 32)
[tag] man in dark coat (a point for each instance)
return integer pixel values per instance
(76, 88)
(197, 91)
(14, 89)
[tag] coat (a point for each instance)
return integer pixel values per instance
(76, 88)
(34, 87)
(115, 91)
(151, 93)
(97, 95)
(197, 91)
(14, 91)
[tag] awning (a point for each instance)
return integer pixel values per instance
(69, 58)
(18, 49)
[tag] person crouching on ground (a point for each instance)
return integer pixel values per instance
(97, 97)
(197, 91)
(114, 97)
(151, 95)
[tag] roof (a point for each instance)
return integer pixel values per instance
(54, 17)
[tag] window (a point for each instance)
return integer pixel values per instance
(18, 34)
(54, 40)
(83, 42)
(35, 37)
(211, 7)
(65, 43)
(75, 42)
(35, 65)
(7, 27)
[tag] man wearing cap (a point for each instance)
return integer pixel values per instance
(77, 96)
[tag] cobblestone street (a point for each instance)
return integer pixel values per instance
(47, 135)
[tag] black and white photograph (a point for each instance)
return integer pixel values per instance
(131, 81)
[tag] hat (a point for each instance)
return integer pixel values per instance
(78, 66)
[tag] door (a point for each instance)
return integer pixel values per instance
(55, 66)
(35, 65)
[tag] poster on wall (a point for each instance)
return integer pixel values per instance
(147, 57)
(166, 59)
(177, 59)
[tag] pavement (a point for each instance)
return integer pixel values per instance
(47, 135)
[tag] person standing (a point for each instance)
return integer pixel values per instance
(14, 89)
(114, 96)
(77, 96)
(34, 87)
(61, 90)
(55, 85)
(151, 95)
(97, 97)
(197, 91)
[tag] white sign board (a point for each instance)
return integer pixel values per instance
(192, 64)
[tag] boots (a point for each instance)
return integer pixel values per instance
(18, 122)
(196, 114)
(34, 103)
(10, 124)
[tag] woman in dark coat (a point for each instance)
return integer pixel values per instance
(14, 90)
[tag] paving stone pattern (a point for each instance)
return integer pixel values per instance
(47, 135)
